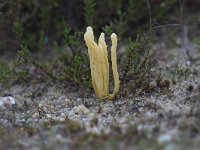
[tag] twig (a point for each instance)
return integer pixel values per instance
(165, 26)
(150, 17)
(16, 64)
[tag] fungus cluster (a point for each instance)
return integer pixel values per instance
(98, 55)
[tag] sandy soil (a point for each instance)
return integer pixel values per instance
(46, 116)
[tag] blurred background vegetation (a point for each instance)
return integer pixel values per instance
(40, 23)
(54, 29)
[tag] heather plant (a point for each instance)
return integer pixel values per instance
(55, 24)
(43, 22)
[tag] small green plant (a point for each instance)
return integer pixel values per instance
(73, 127)
(196, 41)
(136, 64)
(75, 68)
(89, 11)
(107, 30)
(4, 71)
(137, 58)
(18, 30)
(120, 23)
(79, 72)
(26, 58)
(177, 72)
(72, 39)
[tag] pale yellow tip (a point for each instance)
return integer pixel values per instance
(89, 28)
(88, 36)
(113, 35)
(102, 35)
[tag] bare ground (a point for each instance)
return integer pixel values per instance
(48, 117)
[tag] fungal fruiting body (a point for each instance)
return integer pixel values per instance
(99, 65)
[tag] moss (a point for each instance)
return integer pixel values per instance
(45, 124)
(162, 83)
(30, 130)
(91, 141)
(100, 108)
(94, 122)
(73, 127)
(2, 131)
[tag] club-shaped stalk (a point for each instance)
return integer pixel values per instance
(99, 65)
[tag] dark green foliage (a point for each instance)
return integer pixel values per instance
(177, 72)
(8, 72)
(73, 127)
(71, 63)
(77, 72)
(136, 65)
(137, 58)
(89, 12)
(27, 59)
(162, 83)
(18, 30)
(72, 40)
(4, 71)
(80, 71)
(24, 52)
(107, 30)
(37, 25)
(120, 23)
(40, 23)
(159, 13)
(76, 67)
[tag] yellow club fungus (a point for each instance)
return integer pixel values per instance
(99, 65)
